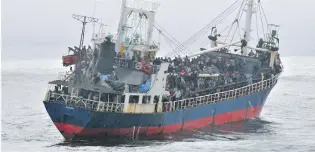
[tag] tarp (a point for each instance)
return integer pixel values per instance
(104, 76)
(145, 87)
(130, 76)
(85, 86)
(117, 86)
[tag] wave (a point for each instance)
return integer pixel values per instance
(298, 78)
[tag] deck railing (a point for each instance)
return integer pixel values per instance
(120, 62)
(167, 106)
(84, 103)
(66, 76)
(220, 96)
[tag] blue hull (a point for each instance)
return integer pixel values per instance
(79, 122)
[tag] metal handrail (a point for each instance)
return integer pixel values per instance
(167, 106)
(221, 96)
(124, 63)
(86, 103)
(66, 76)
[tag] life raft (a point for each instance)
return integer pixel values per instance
(69, 59)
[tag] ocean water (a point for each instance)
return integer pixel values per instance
(287, 122)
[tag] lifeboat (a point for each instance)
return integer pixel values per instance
(69, 59)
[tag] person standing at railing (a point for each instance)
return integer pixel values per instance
(56, 89)
(95, 97)
(178, 94)
(127, 60)
(65, 90)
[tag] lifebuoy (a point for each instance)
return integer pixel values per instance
(147, 68)
(138, 66)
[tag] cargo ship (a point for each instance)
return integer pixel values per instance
(119, 87)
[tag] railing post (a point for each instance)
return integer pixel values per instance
(174, 105)
(98, 106)
(228, 94)
(234, 93)
(186, 103)
(66, 99)
(171, 105)
(112, 107)
(211, 98)
(181, 104)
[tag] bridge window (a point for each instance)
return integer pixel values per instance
(156, 99)
(134, 99)
(122, 99)
(146, 99)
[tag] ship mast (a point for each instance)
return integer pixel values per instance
(126, 35)
(78, 67)
(121, 26)
(84, 20)
(248, 22)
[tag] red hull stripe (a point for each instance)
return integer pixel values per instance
(219, 119)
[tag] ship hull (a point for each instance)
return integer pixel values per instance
(75, 122)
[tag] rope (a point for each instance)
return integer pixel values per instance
(262, 9)
(136, 28)
(205, 29)
(178, 43)
(166, 38)
(262, 23)
(229, 32)
(168, 42)
(219, 18)
(257, 26)
(189, 43)
(237, 18)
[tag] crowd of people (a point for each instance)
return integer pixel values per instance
(184, 73)
(188, 76)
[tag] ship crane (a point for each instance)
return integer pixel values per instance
(272, 42)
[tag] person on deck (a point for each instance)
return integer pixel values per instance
(178, 94)
(251, 53)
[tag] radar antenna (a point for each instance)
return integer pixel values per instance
(84, 20)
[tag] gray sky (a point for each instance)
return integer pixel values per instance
(45, 28)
